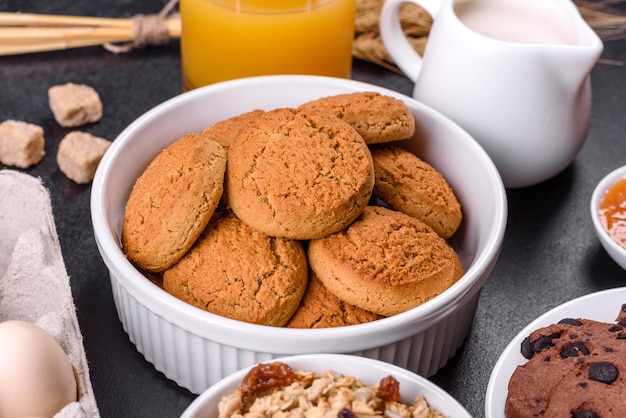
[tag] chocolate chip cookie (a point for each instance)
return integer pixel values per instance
(576, 368)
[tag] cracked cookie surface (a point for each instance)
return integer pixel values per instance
(298, 174)
(240, 273)
(319, 308)
(172, 201)
(386, 262)
(225, 131)
(410, 185)
(376, 117)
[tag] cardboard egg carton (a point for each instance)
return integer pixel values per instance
(34, 285)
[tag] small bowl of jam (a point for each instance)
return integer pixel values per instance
(608, 213)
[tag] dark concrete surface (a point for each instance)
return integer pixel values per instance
(550, 253)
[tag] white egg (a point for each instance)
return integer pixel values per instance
(36, 376)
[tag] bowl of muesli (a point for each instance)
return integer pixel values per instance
(325, 385)
(196, 348)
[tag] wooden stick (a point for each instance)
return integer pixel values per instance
(33, 19)
(22, 33)
(49, 45)
(19, 39)
(19, 33)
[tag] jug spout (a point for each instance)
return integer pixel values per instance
(571, 63)
(580, 59)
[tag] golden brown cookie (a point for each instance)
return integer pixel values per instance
(410, 185)
(172, 202)
(321, 309)
(298, 174)
(225, 131)
(240, 273)
(376, 117)
(386, 262)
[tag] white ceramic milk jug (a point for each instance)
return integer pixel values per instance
(513, 73)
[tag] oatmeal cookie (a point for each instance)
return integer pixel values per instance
(298, 174)
(172, 202)
(225, 131)
(240, 273)
(410, 185)
(376, 117)
(386, 262)
(321, 309)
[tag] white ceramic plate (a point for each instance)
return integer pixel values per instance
(368, 370)
(600, 306)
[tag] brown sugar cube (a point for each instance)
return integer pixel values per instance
(74, 104)
(21, 143)
(79, 155)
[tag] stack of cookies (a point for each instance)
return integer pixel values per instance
(302, 217)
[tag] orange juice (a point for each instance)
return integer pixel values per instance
(227, 39)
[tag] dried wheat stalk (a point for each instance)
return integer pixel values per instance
(607, 19)
(604, 16)
(23, 33)
(368, 44)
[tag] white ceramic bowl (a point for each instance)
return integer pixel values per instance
(367, 370)
(196, 348)
(616, 252)
(600, 306)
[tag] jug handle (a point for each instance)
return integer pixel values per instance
(396, 43)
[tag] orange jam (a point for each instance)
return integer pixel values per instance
(613, 212)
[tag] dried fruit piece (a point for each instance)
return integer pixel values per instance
(389, 389)
(346, 413)
(266, 378)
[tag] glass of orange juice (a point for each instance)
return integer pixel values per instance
(228, 39)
